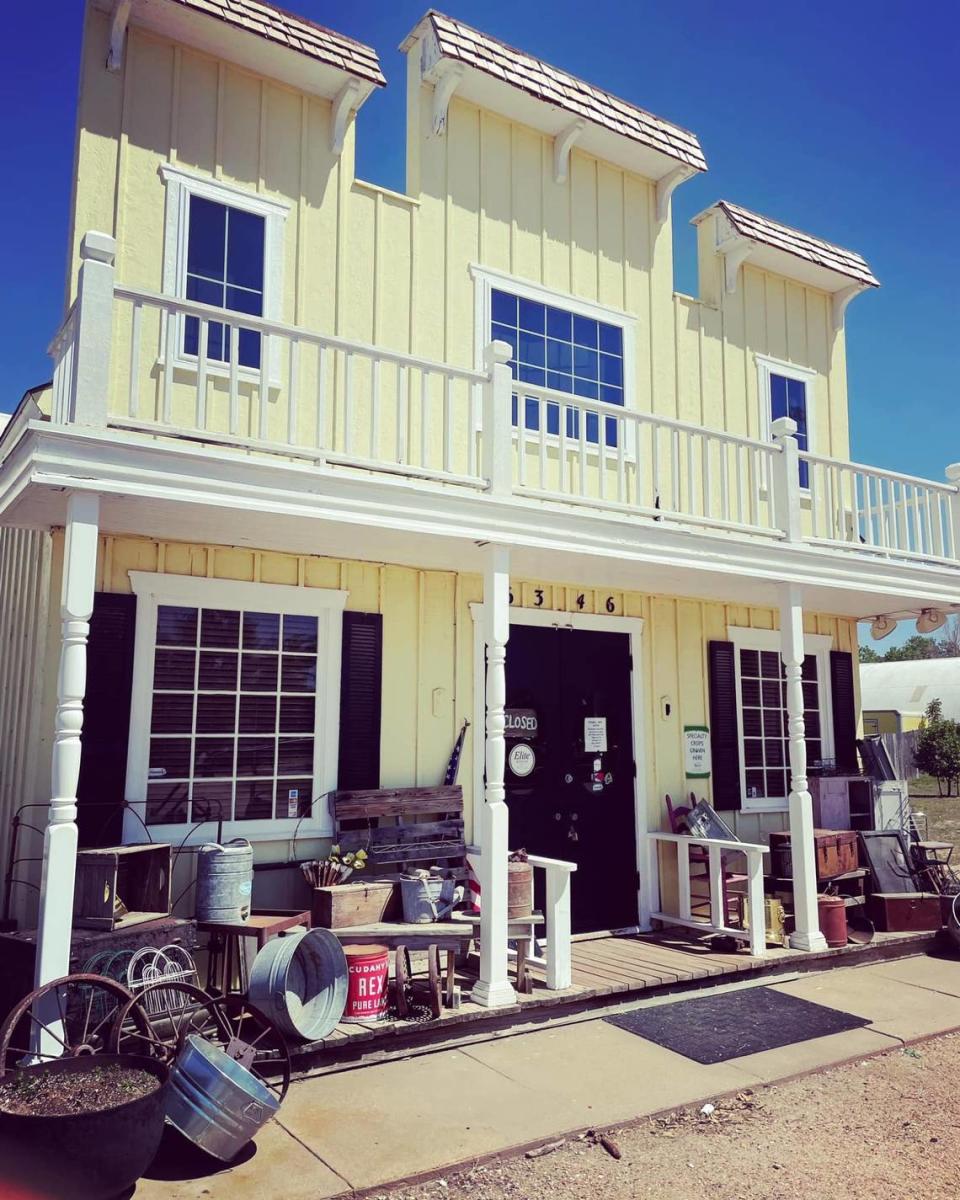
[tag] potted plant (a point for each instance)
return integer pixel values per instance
(86, 1127)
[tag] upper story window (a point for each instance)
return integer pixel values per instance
(236, 691)
(223, 246)
(225, 261)
(558, 343)
(786, 391)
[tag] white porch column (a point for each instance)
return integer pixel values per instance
(60, 837)
(493, 988)
(806, 935)
(94, 330)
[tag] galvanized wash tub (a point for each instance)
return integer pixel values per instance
(214, 1101)
(300, 984)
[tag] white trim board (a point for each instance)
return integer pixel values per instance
(817, 644)
(155, 588)
(548, 618)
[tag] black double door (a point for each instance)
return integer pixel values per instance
(570, 770)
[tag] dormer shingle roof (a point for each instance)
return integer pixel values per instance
(295, 33)
(793, 241)
(554, 86)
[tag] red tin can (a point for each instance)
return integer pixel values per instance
(368, 968)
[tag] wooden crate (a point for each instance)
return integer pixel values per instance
(138, 875)
(347, 904)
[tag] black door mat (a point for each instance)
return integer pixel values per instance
(712, 1029)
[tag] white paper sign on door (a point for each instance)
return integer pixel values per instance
(696, 746)
(594, 735)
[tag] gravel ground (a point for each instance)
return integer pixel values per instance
(887, 1128)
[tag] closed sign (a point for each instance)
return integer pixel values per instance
(521, 722)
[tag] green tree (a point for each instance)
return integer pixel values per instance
(937, 751)
(917, 646)
(869, 655)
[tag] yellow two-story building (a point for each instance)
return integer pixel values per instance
(326, 470)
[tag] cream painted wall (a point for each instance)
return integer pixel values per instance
(394, 270)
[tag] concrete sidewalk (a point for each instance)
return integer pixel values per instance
(378, 1124)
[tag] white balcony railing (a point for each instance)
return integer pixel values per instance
(137, 360)
(880, 511)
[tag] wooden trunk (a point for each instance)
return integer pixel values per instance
(836, 853)
(346, 904)
(905, 912)
(137, 876)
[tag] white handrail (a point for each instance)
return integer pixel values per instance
(755, 933)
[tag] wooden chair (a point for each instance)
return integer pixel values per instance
(700, 859)
(405, 828)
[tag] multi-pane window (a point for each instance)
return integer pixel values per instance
(225, 268)
(233, 718)
(763, 695)
(788, 398)
(563, 351)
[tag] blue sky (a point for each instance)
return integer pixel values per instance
(838, 118)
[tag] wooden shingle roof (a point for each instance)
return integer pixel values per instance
(294, 33)
(553, 86)
(802, 245)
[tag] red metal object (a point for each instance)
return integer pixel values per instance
(832, 912)
(905, 912)
(367, 968)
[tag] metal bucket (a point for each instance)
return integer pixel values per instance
(300, 984)
(224, 881)
(426, 900)
(214, 1101)
(519, 890)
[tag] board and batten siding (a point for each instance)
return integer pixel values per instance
(25, 679)
(373, 265)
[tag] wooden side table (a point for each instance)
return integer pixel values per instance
(227, 960)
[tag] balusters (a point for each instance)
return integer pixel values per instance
(424, 411)
(620, 426)
(582, 431)
(738, 463)
(264, 386)
(233, 334)
(655, 474)
(375, 409)
(171, 349)
(348, 402)
(321, 396)
(204, 334)
(706, 480)
(476, 409)
(134, 385)
(448, 415)
(293, 391)
(724, 481)
(542, 441)
(402, 379)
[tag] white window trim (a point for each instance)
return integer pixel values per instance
(180, 186)
(817, 644)
(155, 588)
(767, 366)
(485, 279)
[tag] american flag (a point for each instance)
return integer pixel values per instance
(453, 766)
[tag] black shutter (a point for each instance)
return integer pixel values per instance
(844, 711)
(724, 726)
(360, 699)
(106, 720)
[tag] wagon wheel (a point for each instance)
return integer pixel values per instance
(433, 970)
(402, 978)
(81, 1014)
(174, 1010)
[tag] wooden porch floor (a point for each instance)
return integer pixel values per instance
(607, 969)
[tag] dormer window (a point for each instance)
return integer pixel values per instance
(225, 268)
(223, 246)
(787, 391)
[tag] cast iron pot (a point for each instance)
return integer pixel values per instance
(84, 1156)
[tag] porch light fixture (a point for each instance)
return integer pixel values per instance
(930, 619)
(882, 627)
